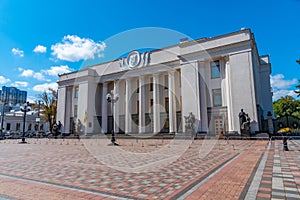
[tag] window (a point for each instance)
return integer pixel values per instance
(76, 92)
(167, 104)
(137, 107)
(18, 126)
(75, 110)
(217, 97)
(166, 78)
(137, 86)
(151, 84)
(8, 126)
(215, 69)
(151, 105)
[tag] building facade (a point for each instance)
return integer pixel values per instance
(11, 96)
(211, 79)
(13, 122)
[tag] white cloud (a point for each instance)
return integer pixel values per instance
(31, 99)
(18, 52)
(73, 48)
(278, 82)
(40, 49)
(30, 73)
(45, 87)
(55, 70)
(282, 87)
(20, 84)
(39, 76)
(4, 80)
(282, 93)
(27, 73)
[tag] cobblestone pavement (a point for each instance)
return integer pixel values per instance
(149, 169)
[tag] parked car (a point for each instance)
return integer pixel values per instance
(7, 135)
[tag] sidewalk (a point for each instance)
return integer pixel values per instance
(207, 169)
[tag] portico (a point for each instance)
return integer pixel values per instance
(144, 104)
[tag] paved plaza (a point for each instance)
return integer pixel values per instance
(149, 169)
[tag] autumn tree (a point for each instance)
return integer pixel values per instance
(49, 106)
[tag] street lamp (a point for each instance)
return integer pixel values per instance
(111, 98)
(2, 118)
(25, 108)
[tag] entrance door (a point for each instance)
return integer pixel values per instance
(218, 125)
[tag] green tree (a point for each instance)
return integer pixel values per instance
(286, 106)
(49, 106)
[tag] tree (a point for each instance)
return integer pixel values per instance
(49, 106)
(298, 86)
(287, 106)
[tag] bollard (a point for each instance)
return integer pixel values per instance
(285, 143)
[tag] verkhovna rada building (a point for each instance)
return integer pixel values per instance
(212, 78)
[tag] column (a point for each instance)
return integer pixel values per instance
(141, 104)
(172, 103)
(128, 121)
(62, 105)
(203, 98)
(104, 108)
(86, 104)
(243, 81)
(156, 104)
(228, 96)
(190, 93)
(116, 106)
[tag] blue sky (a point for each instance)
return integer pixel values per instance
(39, 39)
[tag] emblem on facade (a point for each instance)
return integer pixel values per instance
(135, 60)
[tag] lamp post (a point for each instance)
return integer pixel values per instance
(25, 108)
(2, 119)
(111, 98)
(4, 102)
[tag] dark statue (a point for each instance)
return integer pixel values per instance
(56, 129)
(189, 122)
(244, 120)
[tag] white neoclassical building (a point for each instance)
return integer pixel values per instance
(212, 78)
